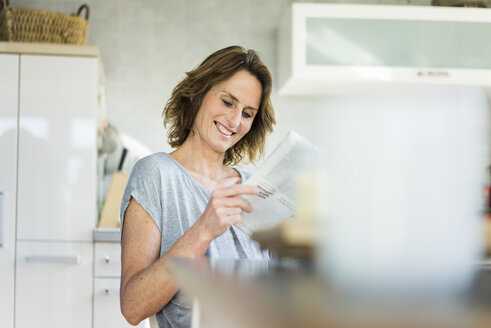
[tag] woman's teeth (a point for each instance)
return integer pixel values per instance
(223, 130)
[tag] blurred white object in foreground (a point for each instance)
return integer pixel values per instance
(405, 174)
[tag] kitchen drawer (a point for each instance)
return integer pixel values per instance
(107, 259)
(107, 313)
(53, 285)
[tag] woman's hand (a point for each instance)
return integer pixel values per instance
(224, 209)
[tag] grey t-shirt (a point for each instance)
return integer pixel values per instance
(175, 201)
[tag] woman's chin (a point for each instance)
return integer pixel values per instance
(221, 147)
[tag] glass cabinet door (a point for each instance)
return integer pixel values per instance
(397, 43)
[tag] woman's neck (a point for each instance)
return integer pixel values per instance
(199, 158)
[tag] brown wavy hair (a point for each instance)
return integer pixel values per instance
(181, 109)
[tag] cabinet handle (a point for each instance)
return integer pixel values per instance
(433, 74)
(108, 291)
(107, 258)
(75, 259)
(1, 219)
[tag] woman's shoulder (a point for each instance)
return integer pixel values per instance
(160, 158)
(154, 163)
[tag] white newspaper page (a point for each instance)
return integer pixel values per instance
(276, 181)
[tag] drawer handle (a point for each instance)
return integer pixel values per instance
(1, 219)
(107, 258)
(75, 259)
(433, 74)
(108, 291)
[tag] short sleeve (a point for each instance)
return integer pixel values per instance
(145, 186)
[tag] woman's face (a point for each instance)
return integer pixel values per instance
(227, 111)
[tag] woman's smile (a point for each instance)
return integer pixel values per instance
(223, 129)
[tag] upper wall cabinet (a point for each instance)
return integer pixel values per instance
(330, 48)
(57, 151)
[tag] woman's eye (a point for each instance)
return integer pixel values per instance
(246, 115)
(227, 103)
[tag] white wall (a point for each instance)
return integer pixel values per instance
(147, 45)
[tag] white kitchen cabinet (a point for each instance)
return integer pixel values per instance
(56, 190)
(54, 284)
(107, 311)
(341, 48)
(48, 112)
(9, 81)
(57, 148)
(107, 260)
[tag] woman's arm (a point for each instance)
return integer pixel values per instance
(146, 286)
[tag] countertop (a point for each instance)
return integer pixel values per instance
(49, 49)
(293, 294)
(110, 235)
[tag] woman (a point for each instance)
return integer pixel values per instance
(185, 203)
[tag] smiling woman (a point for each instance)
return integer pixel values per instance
(185, 102)
(185, 203)
(227, 112)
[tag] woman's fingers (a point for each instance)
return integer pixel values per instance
(225, 207)
(227, 197)
(232, 202)
(235, 190)
(229, 211)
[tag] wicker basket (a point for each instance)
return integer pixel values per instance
(36, 25)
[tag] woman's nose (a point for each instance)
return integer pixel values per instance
(234, 117)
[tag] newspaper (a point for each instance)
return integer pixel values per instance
(276, 181)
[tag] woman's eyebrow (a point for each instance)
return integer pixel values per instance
(237, 100)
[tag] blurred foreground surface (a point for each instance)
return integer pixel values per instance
(292, 293)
